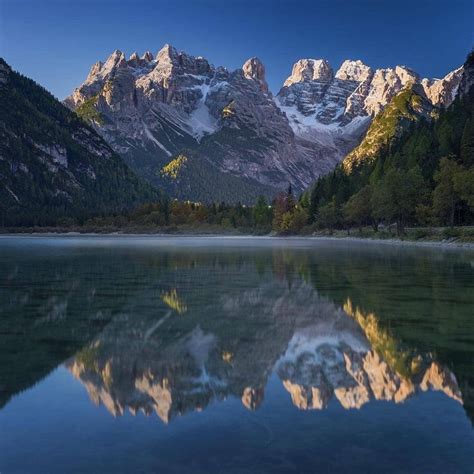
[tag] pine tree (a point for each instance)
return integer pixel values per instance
(445, 197)
(467, 143)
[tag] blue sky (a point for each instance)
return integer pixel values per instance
(55, 42)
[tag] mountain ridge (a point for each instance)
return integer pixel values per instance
(153, 108)
(409, 169)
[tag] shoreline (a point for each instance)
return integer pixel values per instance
(445, 244)
(422, 243)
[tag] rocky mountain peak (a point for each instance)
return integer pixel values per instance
(95, 69)
(407, 76)
(354, 71)
(443, 91)
(135, 61)
(386, 84)
(177, 101)
(167, 54)
(254, 69)
(115, 59)
(310, 70)
(147, 56)
(169, 61)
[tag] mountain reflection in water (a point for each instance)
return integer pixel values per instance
(318, 350)
(168, 331)
(171, 327)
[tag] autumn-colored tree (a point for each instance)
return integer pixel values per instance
(280, 207)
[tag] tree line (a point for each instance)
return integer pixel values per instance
(425, 177)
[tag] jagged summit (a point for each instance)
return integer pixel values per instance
(312, 95)
(117, 58)
(151, 109)
(443, 91)
(310, 70)
(147, 56)
(167, 51)
(354, 71)
(254, 69)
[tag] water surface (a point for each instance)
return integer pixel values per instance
(145, 354)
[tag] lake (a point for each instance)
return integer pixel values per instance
(236, 355)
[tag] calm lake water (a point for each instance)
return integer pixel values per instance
(235, 355)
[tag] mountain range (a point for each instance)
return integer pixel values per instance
(223, 134)
(173, 124)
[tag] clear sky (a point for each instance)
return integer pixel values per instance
(55, 42)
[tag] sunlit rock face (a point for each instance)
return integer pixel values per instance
(151, 108)
(252, 398)
(320, 352)
(443, 91)
(319, 365)
(254, 69)
(355, 378)
(136, 365)
(337, 109)
(310, 70)
(440, 378)
(139, 377)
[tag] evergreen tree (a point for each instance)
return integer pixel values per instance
(467, 143)
(464, 186)
(262, 214)
(396, 195)
(446, 198)
(358, 209)
(329, 215)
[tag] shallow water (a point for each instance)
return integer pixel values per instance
(145, 354)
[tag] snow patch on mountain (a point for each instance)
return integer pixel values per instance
(200, 121)
(156, 107)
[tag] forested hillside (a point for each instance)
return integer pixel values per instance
(419, 172)
(53, 166)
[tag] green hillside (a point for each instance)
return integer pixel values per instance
(408, 170)
(53, 165)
